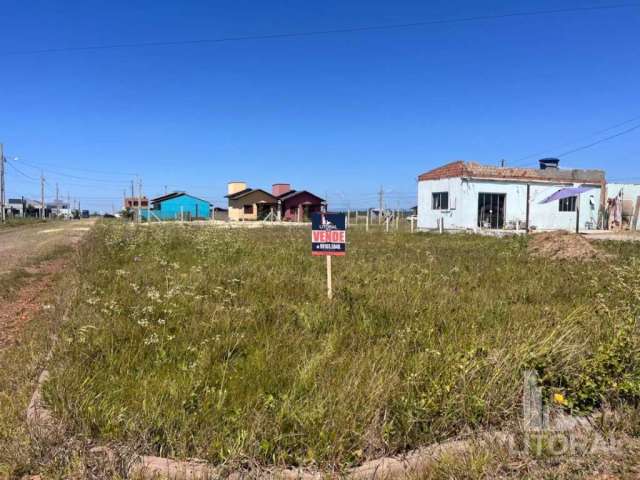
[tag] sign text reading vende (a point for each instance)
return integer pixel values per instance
(335, 236)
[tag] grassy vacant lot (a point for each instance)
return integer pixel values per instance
(19, 222)
(195, 342)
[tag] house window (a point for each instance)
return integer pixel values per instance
(567, 204)
(248, 209)
(440, 201)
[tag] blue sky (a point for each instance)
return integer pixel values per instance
(338, 114)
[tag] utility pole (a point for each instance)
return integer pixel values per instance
(42, 206)
(57, 201)
(381, 206)
(2, 183)
(132, 194)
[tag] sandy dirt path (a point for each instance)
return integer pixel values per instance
(20, 246)
(29, 259)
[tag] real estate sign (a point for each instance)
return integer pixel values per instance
(328, 234)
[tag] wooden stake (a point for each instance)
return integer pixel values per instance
(634, 221)
(329, 289)
(578, 214)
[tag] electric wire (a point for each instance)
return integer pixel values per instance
(271, 36)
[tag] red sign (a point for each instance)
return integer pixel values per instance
(328, 234)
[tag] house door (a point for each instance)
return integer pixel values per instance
(264, 210)
(491, 210)
(306, 213)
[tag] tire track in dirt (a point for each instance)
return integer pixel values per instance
(26, 302)
(27, 271)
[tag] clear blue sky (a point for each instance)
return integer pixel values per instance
(337, 114)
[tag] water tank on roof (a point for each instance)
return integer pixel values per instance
(549, 163)
(235, 187)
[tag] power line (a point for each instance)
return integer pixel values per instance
(20, 171)
(583, 147)
(519, 161)
(272, 36)
(598, 132)
(76, 177)
(98, 172)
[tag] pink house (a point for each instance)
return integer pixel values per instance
(296, 205)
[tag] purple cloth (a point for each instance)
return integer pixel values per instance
(566, 193)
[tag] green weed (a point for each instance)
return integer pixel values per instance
(198, 342)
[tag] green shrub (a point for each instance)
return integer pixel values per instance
(221, 344)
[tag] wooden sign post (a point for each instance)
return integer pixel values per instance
(329, 286)
(328, 238)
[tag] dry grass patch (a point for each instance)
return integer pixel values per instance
(196, 342)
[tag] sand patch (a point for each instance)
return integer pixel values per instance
(564, 246)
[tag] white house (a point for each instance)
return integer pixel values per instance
(469, 196)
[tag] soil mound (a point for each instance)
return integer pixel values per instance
(564, 246)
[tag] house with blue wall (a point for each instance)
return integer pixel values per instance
(176, 206)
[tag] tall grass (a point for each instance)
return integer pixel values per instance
(196, 342)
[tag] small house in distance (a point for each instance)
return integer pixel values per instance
(466, 195)
(135, 202)
(221, 214)
(296, 205)
(177, 206)
(250, 203)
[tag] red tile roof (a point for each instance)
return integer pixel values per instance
(488, 172)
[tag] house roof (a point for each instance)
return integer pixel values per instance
(171, 195)
(473, 170)
(286, 194)
(294, 193)
(239, 194)
(248, 191)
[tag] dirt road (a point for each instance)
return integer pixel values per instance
(30, 256)
(21, 246)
